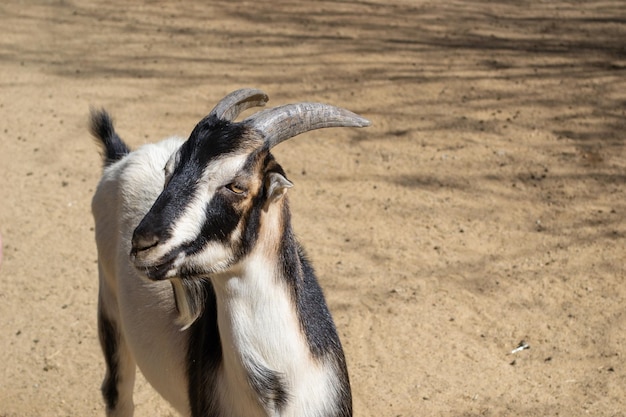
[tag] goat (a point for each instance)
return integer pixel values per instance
(203, 284)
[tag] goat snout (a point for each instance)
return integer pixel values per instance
(148, 257)
(143, 242)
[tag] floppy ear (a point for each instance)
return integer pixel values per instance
(276, 186)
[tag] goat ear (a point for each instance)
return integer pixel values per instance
(276, 186)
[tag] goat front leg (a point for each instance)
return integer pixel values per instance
(119, 381)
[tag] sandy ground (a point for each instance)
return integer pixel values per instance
(485, 206)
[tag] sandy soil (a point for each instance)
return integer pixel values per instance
(485, 206)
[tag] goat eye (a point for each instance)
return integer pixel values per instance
(234, 188)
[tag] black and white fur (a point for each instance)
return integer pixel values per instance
(202, 282)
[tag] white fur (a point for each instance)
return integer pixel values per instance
(268, 331)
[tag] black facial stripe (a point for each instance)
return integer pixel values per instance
(172, 202)
(221, 221)
(222, 218)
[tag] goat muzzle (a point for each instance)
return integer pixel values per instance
(142, 243)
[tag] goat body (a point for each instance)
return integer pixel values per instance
(203, 285)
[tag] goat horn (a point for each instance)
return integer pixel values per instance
(284, 122)
(234, 103)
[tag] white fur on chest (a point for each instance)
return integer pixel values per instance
(258, 322)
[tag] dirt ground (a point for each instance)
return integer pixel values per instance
(485, 206)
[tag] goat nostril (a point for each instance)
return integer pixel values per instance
(143, 243)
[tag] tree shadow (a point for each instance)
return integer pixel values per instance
(362, 48)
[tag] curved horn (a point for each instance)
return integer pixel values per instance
(233, 104)
(284, 122)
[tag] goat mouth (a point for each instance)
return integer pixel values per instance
(158, 271)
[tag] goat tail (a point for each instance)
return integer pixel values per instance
(101, 128)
